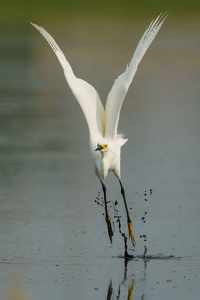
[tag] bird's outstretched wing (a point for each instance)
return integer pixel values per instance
(122, 83)
(85, 93)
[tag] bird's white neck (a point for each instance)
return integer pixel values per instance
(104, 164)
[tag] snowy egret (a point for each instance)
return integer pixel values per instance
(105, 143)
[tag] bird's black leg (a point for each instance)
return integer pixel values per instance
(129, 222)
(107, 217)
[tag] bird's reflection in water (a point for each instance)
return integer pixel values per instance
(111, 293)
(142, 280)
(130, 291)
(110, 290)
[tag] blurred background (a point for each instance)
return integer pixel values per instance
(16, 14)
(51, 231)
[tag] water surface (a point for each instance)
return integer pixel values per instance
(54, 242)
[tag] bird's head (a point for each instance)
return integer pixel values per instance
(101, 147)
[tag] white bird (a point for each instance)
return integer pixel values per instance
(105, 143)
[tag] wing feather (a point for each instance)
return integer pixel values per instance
(122, 83)
(85, 93)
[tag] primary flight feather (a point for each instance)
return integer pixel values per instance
(105, 144)
(122, 83)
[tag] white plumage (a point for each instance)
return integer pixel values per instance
(105, 144)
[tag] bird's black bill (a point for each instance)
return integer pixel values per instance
(99, 148)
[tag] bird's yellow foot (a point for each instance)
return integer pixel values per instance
(110, 232)
(131, 232)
